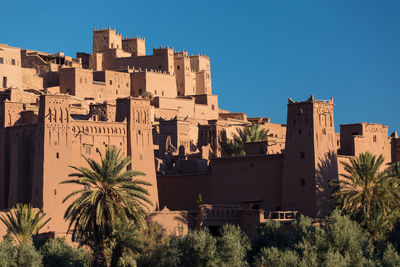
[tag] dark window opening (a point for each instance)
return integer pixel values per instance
(177, 67)
(374, 138)
(13, 61)
(303, 182)
(57, 155)
(140, 91)
(110, 82)
(4, 82)
(155, 92)
(299, 131)
(179, 93)
(1, 60)
(354, 133)
(162, 93)
(159, 66)
(302, 154)
(212, 107)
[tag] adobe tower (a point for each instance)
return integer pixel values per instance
(310, 159)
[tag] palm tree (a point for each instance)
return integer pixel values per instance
(23, 222)
(366, 192)
(109, 193)
(252, 133)
(126, 241)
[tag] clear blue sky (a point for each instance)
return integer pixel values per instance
(262, 52)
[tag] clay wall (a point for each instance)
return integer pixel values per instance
(174, 222)
(102, 85)
(10, 67)
(232, 181)
(30, 80)
(185, 107)
(274, 129)
(273, 145)
(159, 84)
(189, 188)
(19, 162)
(362, 137)
(161, 60)
(10, 113)
(51, 79)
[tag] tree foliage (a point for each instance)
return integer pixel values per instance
(252, 133)
(56, 252)
(368, 193)
(109, 193)
(23, 221)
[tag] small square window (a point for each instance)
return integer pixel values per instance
(212, 107)
(303, 182)
(57, 155)
(110, 82)
(127, 84)
(302, 154)
(1, 60)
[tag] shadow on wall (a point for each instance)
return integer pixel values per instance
(327, 170)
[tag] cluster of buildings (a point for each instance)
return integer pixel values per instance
(160, 111)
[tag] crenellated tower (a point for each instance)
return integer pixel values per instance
(137, 114)
(104, 39)
(310, 159)
(136, 46)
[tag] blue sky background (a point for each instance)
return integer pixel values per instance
(262, 52)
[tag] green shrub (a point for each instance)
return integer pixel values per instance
(232, 246)
(7, 252)
(27, 256)
(390, 257)
(57, 252)
(199, 248)
(274, 257)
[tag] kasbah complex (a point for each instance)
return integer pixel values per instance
(159, 110)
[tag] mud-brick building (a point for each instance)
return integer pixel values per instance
(36, 154)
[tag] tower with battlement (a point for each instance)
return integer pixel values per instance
(310, 159)
(104, 39)
(137, 115)
(136, 46)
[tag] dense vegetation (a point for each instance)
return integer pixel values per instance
(364, 229)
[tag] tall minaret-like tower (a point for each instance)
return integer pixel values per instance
(310, 160)
(137, 115)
